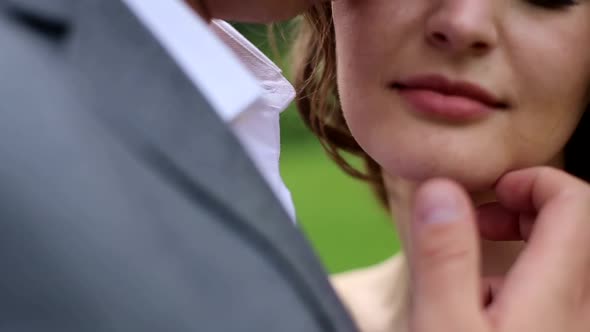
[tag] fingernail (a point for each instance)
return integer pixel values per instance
(438, 202)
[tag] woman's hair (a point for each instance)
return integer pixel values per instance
(314, 55)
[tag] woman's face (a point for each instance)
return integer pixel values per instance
(467, 89)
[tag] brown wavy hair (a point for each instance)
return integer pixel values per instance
(314, 66)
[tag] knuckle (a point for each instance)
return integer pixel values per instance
(444, 247)
(568, 187)
(438, 256)
(577, 191)
(547, 172)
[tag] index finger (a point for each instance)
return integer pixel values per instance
(553, 266)
(532, 189)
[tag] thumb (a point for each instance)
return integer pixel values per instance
(444, 259)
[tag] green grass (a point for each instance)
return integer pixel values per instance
(339, 215)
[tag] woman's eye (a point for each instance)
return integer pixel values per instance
(554, 4)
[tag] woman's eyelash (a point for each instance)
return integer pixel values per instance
(554, 4)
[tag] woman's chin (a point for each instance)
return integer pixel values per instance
(474, 179)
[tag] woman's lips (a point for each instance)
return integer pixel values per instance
(437, 96)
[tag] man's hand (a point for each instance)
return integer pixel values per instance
(261, 11)
(548, 288)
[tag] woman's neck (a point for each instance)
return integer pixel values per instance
(496, 257)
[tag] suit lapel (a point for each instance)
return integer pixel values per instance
(147, 101)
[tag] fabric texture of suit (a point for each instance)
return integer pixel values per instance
(126, 204)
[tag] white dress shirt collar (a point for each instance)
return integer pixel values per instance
(246, 89)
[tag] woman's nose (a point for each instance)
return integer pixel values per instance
(462, 26)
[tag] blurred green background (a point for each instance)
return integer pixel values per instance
(339, 215)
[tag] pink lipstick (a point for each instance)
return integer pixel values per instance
(437, 96)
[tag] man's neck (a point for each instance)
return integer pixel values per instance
(199, 7)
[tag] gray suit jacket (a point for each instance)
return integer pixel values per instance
(125, 204)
